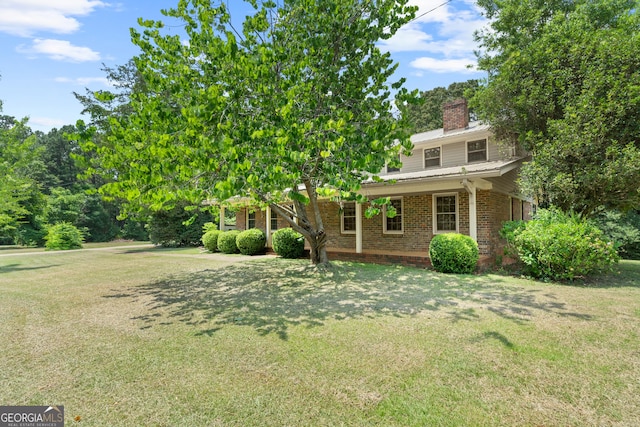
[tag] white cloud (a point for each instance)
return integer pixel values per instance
(60, 50)
(27, 17)
(440, 39)
(435, 65)
(46, 122)
(84, 81)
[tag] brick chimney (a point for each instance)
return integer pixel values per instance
(455, 115)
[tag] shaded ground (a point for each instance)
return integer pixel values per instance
(273, 295)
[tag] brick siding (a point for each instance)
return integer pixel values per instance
(410, 247)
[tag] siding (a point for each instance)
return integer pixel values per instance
(451, 154)
(454, 154)
(506, 183)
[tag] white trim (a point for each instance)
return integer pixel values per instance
(222, 219)
(342, 230)
(248, 211)
(435, 213)
(358, 228)
(424, 160)
(384, 217)
(273, 215)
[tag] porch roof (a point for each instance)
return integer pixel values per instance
(474, 170)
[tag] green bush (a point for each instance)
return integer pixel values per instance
(623, 229)
(558, 246)
(453, 253)
(63, 236)
(209, 226)
(288, 243)
(227, 242)
(210, 240)
(251, 242)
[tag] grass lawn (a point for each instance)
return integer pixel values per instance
(146, 337)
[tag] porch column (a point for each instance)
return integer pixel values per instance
(222, 227)
(268, 225)
(473, 214)
(358, 228)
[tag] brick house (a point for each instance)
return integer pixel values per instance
(458, 179)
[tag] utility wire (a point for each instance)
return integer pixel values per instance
(429, 11)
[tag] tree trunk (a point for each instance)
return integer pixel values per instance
(313, 232)
(318, 254)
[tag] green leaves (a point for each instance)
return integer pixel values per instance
(299, 97)
(564, 84)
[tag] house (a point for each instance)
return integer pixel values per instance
(458, 179)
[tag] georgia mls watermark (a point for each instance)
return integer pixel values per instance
(31, 416)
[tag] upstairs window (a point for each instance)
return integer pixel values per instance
(393, 169)
(432, 157)
(477, 151)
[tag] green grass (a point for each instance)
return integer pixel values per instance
(152, 337)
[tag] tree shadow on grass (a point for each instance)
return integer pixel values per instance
(10, 268)
(274, 295)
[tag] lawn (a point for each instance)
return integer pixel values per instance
(140, 336)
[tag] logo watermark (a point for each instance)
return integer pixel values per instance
(31, 416)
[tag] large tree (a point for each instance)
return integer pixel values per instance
(18, 189)
(295, 105)
(564, 83)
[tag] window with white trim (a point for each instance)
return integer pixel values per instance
(477, 151)
(445, 213)
(274, 220)
(432, 157)
(394, 225)
(348, 218)
(251, 219)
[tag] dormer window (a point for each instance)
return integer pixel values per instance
(432, 157)
(477, 151)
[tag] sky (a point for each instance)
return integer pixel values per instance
(52, 48)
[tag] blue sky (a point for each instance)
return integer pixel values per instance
(51, 48)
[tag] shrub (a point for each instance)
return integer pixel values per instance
(558, 246)
(288, 243)
(251, 242)
(227, 242)
(208, 226)
(210, 240)
(63, 236)
(453, 253)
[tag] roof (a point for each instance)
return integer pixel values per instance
(436, 134)
(476, 170)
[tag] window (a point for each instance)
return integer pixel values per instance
(432, 157)
(251, 219)
(477, 151)
(393, 169)
(445, 218)
(394, 225)
(274, 220)
(348, 218)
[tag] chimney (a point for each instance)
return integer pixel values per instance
(455, 115)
